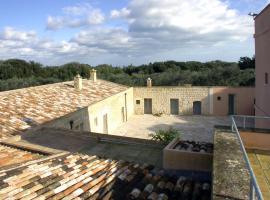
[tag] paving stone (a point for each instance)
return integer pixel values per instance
(197, 128)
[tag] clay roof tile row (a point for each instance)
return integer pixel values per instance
(76, 176)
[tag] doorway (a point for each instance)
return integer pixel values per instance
(231, 106)
(197, 108)
(174, 104)
(147, 106)
(105, 124)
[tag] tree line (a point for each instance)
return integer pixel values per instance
(16, 73)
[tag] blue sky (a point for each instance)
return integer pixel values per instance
(127, 31)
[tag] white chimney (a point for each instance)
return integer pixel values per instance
(149, 82)
(78, 82)
(93, 75)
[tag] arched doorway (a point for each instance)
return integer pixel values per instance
(197, 108)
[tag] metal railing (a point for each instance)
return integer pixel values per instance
(248, 122)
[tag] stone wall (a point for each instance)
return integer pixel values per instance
(79, 120)
(115, 108)
(161, 99)
(91, 118)
(214, 100)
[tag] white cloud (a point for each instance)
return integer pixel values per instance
(152, 27)
(79, 9)
(76, 16)
(27, 45)
(12, 34)
(156, 26)
(124, 12)
(196, 17)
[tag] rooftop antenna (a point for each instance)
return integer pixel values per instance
(252, 14)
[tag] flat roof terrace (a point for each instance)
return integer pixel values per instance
(253, 134)
(260, 162)
(108, 146)
(257, 145)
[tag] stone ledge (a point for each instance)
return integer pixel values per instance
(30, 147)
(230, 175)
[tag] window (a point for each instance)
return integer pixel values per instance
(96, 121)
(266, 78)
(138, 102)
(218, 98)
(71, 124)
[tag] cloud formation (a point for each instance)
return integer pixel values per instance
(75, 17)
(161, 25)
(147, 28)
(124, 12)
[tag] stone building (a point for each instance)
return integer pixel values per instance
(90, 105)
(188, 100)
(100, 106)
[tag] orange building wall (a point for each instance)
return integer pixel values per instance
(244, 100)
(262, 51)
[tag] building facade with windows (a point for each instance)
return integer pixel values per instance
(262, 50)
(188, 100)
(100, 106)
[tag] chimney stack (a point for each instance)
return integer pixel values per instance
(78, 82)
(93, 75)
(149, 82)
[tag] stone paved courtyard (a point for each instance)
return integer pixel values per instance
(197, 128)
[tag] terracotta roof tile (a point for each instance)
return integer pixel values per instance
(24, 108)
(10, 156)
(77, 176)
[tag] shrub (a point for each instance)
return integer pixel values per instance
(165, 136)
(158, 114)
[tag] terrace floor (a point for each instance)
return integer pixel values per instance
(197, 128)
(260, 162)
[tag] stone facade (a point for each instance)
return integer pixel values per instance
(213, 100)
(78, 120)
(161, 99)
(106, 115)
(117, 108)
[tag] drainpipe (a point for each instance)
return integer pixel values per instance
(126, 105)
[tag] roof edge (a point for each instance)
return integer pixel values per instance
(262, 11)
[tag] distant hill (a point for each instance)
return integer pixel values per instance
(15, 73)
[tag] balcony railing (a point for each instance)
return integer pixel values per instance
(249, 122)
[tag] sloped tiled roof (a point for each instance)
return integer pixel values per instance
(24, 108)
(76, 176)
(12, 156)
